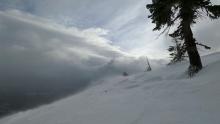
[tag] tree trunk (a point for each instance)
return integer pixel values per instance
(194, 57)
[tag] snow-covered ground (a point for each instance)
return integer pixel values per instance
(163, 96)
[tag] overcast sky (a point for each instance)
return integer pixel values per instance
(124, 22)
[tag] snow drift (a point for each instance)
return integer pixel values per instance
(163, 96)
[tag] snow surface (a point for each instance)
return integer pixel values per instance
(163, 96)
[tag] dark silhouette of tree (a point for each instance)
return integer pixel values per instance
(148, 65)
(183, 13)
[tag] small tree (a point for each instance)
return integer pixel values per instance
(177, 51)
(148, 65)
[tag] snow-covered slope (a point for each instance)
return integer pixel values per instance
(163, 96)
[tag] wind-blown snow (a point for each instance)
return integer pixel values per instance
(163, 96)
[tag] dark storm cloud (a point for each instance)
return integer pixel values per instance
(33, 47)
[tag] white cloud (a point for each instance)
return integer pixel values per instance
(124, 22)
(54, 34)
(36, 46)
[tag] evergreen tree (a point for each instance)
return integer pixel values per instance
(167, 13)
(177, 51)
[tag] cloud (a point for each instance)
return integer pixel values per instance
(33, 47)
(39, 56)
(37, 46)
(34, 44)
(42, 61)
(125, 20)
